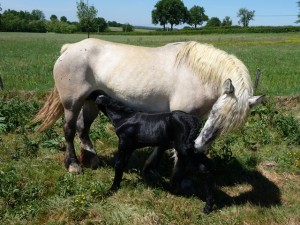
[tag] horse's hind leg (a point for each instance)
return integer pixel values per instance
(86, 117)
(71, 161)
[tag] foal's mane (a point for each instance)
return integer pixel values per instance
(117, 104)
(213, 66)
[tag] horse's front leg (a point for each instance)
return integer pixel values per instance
(85, 119)
(71, 161)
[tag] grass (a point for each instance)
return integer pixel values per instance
(257, 176)
(257, 167)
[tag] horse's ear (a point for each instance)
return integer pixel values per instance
(254, 100)
(228, 87)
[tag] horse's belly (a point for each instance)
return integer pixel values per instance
(145, 87)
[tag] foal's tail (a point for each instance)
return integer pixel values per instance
(50, 112)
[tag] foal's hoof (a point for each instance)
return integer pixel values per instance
(151, 175)
(90, 159)
(74, 168)
(187, 187)
(208, 208)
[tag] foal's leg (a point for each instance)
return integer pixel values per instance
(124, 153)
(86, 117)
(71, 161)
(150, 169)
(178, 174)
(181, 185)
(205, 167)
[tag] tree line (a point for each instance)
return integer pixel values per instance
(165, 12)
(35, 21)
(174, 12)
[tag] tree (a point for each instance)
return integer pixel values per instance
(298, 21)
(12, 21)
(114, 24)
(169, 11)
(197, 16)
(53, 18)
(86, 15)
(0, 15)
(227, 22)
(214, 22)
(245, 16)
(159, 16)
(37, 14)
(101, 24)
(63, 19)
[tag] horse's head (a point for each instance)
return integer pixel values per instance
(225, 115)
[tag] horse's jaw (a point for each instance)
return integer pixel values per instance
(200, 146)
(206, 137)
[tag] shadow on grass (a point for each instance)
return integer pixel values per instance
(259, 189)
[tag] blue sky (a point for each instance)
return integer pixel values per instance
(138, 12)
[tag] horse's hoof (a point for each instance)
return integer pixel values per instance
(75, 168)
(90, 159)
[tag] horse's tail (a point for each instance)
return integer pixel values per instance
(64, 48)
(50, 112)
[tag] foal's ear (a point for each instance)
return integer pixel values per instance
(228, 87)
(255, 100)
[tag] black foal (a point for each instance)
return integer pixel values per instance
(175, 129)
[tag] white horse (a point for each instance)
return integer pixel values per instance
(188, 76)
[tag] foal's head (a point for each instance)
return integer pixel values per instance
(102, 101)
(111, 106)
(227, 113)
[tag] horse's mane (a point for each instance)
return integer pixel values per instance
(213, 67)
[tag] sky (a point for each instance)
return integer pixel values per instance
(138, 12)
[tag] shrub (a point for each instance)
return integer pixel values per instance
(289, 128)
(15, 113)
(127, 28)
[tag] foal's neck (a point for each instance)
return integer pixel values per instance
(115, 115)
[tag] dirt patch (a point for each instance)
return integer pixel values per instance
(279, 179)
(289, 104)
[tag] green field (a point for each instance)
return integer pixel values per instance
(257, 166)
(26, 60)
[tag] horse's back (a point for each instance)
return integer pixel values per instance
(144, 78)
